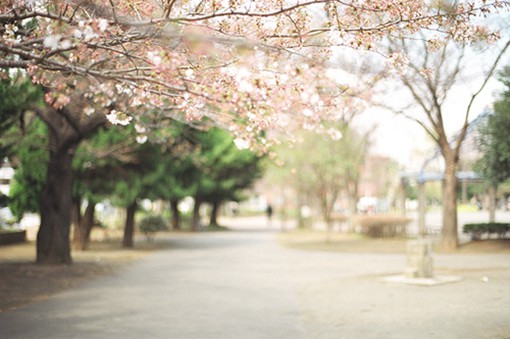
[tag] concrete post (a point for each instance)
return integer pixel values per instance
(421, 208)
(419, 259)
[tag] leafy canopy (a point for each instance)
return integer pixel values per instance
(494, 141)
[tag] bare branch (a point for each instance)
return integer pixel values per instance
(488, 76)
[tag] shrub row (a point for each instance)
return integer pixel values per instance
(382, 226)
(12, 237)
(477, 230)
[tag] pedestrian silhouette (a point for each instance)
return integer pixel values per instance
(269, 213)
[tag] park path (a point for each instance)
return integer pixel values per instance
(243, 284)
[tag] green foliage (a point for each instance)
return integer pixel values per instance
(16, 96)
(494, 141)
(222, 171)
(113, 165)
(477, 230)
(382, 226)
(101, 161)
(30, 176)
(21, 137)
(320, 166)
(411, 191)
(173, 176)
(151, 224)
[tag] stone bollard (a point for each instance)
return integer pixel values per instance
(419, 259)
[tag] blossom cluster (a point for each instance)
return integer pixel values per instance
(251, 66)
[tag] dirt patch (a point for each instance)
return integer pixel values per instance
(340, 242)
(489, 246)
(23, 282)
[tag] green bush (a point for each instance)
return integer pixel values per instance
(151, 224)
(477, 230)
(382, 226)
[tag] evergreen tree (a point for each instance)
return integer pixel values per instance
(494, 138)
(14, 96)
(222, 172)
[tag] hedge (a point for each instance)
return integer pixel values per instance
(383, 226)
(477, 230)
(12, 237)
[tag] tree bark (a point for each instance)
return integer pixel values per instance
(66, 129)
(53, 243)
(327, 207)
(86, 227)
(450, 239)
(76, 218)
(176, 217)
(195, 220)
(352, 191)
(129, 228)
(214, 213)
(492, 203)
(300, 218)
(82, 224)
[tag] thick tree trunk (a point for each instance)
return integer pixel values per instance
(66, 129)
(195, 220)
(176, 217)
(214, 213)
(450, 238)
(129, 228)
(53, 243)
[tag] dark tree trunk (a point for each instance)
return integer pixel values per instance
(195, 220)
(67, 127)
(90, 214)
(129, 228)
(176, 217)
(87, 223)
(53, 245)
(450, 238)
(76, 219)
(214, 213)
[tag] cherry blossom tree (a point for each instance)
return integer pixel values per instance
(431, 77)
(235, 61)
(249, 66)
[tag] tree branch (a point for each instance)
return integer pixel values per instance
(475, 95)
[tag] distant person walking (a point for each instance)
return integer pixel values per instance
(269, 213)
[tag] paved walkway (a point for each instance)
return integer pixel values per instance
(243, 284)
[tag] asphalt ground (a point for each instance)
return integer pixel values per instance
(244, 284)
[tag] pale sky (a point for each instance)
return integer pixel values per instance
(406, 141)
